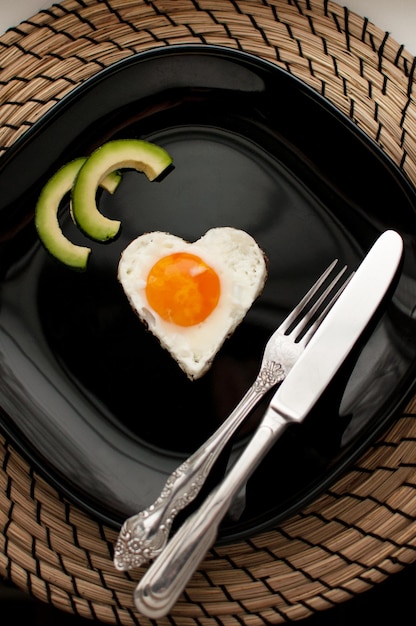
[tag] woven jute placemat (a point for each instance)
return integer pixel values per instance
(360, 530)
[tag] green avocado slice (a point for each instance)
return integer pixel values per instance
(137, 154)
(46, 214)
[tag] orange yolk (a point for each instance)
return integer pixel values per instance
(183, 289)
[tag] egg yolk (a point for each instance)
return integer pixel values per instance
(183, 289)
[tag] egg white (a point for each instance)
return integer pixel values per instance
(241, 267)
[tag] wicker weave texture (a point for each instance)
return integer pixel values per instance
(361, 529)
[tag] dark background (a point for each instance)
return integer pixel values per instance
(390, 602)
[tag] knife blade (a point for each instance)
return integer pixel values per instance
(160, 587)
(340, 329)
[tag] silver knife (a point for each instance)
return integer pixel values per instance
(160, 587)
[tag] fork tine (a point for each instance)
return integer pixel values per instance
(298, 310)
(309, 314)
(317, 322)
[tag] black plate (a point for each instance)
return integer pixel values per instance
(86, 392)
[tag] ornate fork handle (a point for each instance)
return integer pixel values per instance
(144, 535)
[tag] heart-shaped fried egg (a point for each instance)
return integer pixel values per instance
(192, 296)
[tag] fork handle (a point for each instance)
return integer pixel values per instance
(144, 535)
(168, 575)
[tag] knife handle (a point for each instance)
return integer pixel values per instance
(166, 578)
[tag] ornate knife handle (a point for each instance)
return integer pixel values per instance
(144, 535)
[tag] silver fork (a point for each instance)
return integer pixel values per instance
(144, 535)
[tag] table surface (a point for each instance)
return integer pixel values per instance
(397, 17)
